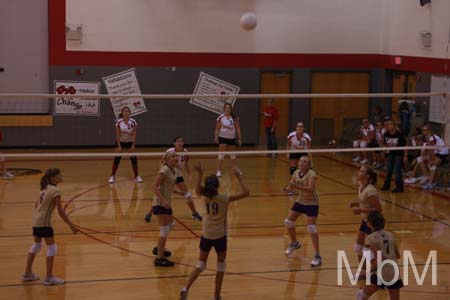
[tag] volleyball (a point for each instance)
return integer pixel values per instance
(248, 21)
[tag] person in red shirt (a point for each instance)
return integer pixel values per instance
(270, 124)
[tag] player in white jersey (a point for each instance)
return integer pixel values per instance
(368, 201)
(214, 231)
(378, 156)
(225, 134)
(440, 156)
(381, 241)
(49, 198)
(125, 139)
(182, 166)
(366, 139)
(297, 140)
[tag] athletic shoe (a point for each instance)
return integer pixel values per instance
(423, 179)
(364, 161)
(112, 179)
(8, 175)
(219, 173)
(166, 252)
(138, 179)
(148, 217)
(411, 180)
(317, 261)
(163, 262)
(356, 158)
(196, 216)
(291, 248)
(428, 186)
(29, 277)
(183, 294)
(53, 280)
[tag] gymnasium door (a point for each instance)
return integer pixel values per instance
(276, 83)
(330, 116)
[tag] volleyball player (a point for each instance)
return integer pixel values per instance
(304, 181)
(297, 140)
(125, 139)
(214, 231)
(183, 165)
(50, 197)
(381, 240)
(225, 134)
(163, 188)
(368, 201)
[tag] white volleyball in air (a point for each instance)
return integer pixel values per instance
(248, 21)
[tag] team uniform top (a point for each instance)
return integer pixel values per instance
(437, 141)
(215, 221)
(296, 142)
(383, 241)
(306, 198)
(366, 131)
(227, 129)
(364, 194)
(126, 129)
(379, 133)
(166, 187)
(182, 158)
(43, 213)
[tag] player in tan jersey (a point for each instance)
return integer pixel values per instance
(381, 240)
(303, 181)
(162, 208)
(368, 201)
(214, 232)
(50, 197)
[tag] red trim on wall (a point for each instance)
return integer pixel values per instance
(60, 57)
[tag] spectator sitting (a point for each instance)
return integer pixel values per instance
(366, 139)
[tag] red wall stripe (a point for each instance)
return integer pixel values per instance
(60, 57)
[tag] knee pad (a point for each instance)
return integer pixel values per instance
(355, 144)
(221, 156)
(201, 265)
(420, 159)
(233, 156)
(52, 250)
(35, 248)
(360, 295)
(187, 196)
(363, 144)
(292, 170)
(358, 249)
(289, 224)
(221, 266)
(312, 229)
(164, 231)
(433, 168)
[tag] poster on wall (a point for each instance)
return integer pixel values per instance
(208, 84)
(73, 105)
(437, 103)
(125, 83)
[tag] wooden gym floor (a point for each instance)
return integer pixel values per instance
(112, 258)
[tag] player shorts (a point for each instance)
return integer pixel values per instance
(160, 210)
(364, 228)
(309, 210)
(43, 232)
(229, 142)
(220, 245)
(396, 285)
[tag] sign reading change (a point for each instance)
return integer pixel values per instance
(70, 104)
(208, 84)
(125, 83)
